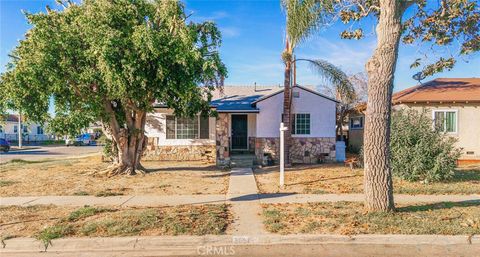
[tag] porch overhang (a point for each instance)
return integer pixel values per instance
(238, 111)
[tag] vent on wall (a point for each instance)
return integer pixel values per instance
(296, 94)
(470, 152)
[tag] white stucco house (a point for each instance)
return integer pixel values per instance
(248, 121)
(31, 131)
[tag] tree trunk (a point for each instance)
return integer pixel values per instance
(381, 69)
(130, 142)
(287, 111)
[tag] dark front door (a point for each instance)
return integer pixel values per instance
(239, 132)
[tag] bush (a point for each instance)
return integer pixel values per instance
(418, 152)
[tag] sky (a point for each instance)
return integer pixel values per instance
(253, 35)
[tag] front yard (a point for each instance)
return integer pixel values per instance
(80, 177)
(348, 218)
(338, 179)
(47, 222)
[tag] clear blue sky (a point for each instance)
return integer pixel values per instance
(253, 39)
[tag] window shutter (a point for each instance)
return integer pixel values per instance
(204, 128)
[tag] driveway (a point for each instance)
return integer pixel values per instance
(49, 152)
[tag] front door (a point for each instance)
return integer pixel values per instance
(239, 132)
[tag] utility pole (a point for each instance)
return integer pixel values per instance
(282, 154)
(19, 129)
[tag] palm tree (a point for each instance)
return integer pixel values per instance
(303, 18)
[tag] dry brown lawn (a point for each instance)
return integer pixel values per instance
(349, 218)
(81, 177)
(337, 179)
(47, 222)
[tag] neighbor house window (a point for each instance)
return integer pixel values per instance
(39, 130)
(356, 123)
(25, 129)
(15, 129)
(187, 128)
(445, 121)
(1, 129)
(301, 124)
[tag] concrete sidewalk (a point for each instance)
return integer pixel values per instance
(257, 245)
(233, 197)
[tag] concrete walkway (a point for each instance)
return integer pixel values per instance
(243, 195)
(238, 195)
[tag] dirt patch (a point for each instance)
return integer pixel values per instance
(338, 179)
(50, 222)
(75, 177)
(349, 218)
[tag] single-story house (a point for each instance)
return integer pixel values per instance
(356, 123)
(248, 121)
(454, 104)
(30, 131)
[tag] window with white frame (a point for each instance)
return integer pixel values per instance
(356, 122)
(187, 128)
(301, 124)
(445, 121)
(15, 129)
(39, 130)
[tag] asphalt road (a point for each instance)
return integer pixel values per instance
(49, 152)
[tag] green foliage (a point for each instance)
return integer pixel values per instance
(53, 232)
(448, 23)
(121, 55)
(84, 212)
(418, 152)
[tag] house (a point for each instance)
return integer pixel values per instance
(30, 131)
(453, 103)
(356, 123)
(248, 121)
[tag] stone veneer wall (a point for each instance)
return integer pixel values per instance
(312, 150)
(178, 152)
(222, 140)
(270, 145)
(251, 144)
(303, 150)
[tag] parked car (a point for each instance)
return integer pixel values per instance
(4, 145)
(84, 139)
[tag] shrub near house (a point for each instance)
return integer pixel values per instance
(418, 152)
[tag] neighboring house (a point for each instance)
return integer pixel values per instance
(356, 124)
(30, 131)
(248, 121)
(454, 106)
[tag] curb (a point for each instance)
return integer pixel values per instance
(256, 245)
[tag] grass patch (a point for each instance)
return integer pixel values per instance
(4, 183)
(47, 223)
(53, 232)
(84, 212)
(447, 218)
(80, 193)
(337, 179)
(22, 161)
(107, 193)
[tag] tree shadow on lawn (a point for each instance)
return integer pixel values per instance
(182, 168)
(438, 206)
(300, 167)
(466, 176)
(319, 180)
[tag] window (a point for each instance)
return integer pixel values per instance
(356, 122)
(301, 124)
(445, 121)
(15, 129)
(1, 129)
(187, 128)
(39, 130)
(25, 129)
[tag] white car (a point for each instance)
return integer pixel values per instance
(84, 139)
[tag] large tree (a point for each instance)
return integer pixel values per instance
(302, 19)
(446, 23)
(110, 61)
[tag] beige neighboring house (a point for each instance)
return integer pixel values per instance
(454, 105)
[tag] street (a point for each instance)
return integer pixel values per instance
(48, 152)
